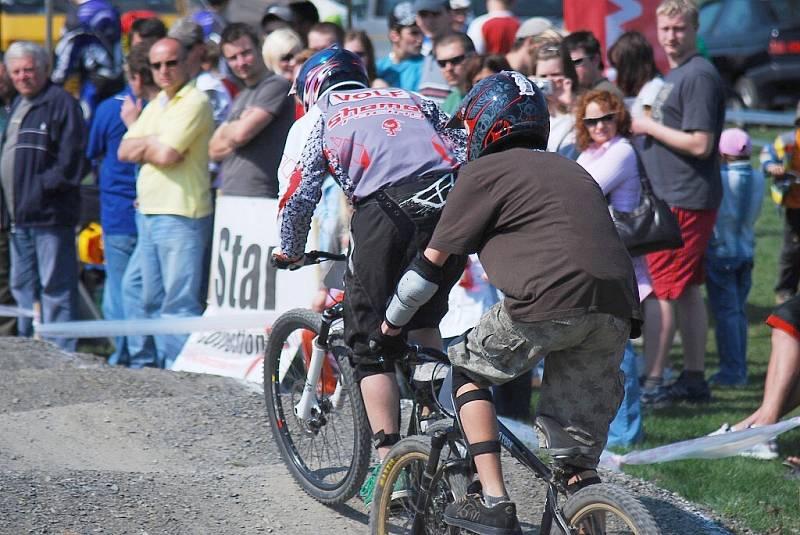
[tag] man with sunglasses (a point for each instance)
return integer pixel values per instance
(450, 52)
(433, 18)
(250, 142)
(169, 141)
(584, 49)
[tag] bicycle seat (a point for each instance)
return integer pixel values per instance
(557, 442)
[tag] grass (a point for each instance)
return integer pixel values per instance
(754, 492)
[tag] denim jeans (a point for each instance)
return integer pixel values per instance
(141, 349)
(626, 427)
(117, 249)
(44, 267)
(728, 282)
(172, 252)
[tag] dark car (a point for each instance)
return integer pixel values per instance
(755, 45)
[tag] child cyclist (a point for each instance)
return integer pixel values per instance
(541, 227)
(393, 156)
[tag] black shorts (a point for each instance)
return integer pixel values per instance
(384, 240)
(787, 317)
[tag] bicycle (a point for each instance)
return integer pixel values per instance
(314, 405)
(440, 469)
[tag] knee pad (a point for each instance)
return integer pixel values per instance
(481, 394)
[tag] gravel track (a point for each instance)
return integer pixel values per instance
(86, 448)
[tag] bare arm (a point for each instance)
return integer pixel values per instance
(696, 143)
(148, 150)
(233, 134)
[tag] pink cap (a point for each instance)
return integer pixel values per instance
(734, 142)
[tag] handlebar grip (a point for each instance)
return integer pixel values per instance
(281, 264)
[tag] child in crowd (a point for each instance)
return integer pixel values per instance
(729, 259)
(780, 161)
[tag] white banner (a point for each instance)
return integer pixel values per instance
(242, 280)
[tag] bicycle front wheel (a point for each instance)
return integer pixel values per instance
(608, 510)
(397, 485)
(327, 453)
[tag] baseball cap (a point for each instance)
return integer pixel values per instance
(434, 6)
(402, 15)
(277, 11)
(460, 4)
(734, 142)
(533, 27)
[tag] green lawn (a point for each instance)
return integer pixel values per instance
(754, 492)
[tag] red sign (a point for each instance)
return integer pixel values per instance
(608, 19)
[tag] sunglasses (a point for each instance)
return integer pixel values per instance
(579, 61)
(287, 57)
(590, 122)
(453, 61)
(169, 64)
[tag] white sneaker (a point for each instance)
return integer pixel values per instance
(766, 451)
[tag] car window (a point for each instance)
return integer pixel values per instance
(742, 16)
(787, 10)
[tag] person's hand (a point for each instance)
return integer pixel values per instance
(641, 125)
(387, 342)
(131, 109)
(281, 261)
(775, 169)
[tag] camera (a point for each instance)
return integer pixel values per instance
(544, 84)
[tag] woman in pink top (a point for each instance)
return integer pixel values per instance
(603, 127)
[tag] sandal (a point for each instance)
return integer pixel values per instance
(584, 479)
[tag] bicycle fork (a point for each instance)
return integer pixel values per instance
(438, 441)
(308, 405)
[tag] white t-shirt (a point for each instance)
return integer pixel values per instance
(469, 299)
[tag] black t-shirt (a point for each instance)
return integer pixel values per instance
(541, 227)
(691, 98)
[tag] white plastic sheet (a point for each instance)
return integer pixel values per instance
(707, 447)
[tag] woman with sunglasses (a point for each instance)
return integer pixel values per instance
(279, 49)
(603, 130)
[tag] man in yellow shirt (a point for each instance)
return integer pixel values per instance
(170, 142)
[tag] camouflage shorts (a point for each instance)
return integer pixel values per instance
(582, 385)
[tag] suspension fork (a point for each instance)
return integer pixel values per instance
(438, 441)
(319, 347)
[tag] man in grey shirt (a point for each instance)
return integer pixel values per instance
(680, 158)
(250, 143)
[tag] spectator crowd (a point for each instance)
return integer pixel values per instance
(203, 109)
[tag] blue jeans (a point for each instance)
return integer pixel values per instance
(44, 267)
(172, 252)
(626, 427)
(117, 250)
(728, 282)
(141, 349)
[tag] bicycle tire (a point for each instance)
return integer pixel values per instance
(411, 454)
(582, 509)
(330, 479)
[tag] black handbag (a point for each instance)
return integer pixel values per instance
(651, 226)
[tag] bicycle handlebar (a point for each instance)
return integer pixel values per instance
(309, 258)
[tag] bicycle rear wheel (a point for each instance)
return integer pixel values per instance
(328, 453)
(393, 505)
(608, 510)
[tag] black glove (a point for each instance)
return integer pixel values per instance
(388, 347)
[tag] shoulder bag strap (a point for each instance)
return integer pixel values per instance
(646, 187)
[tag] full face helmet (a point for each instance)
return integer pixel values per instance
(326, 70)
(503, 107)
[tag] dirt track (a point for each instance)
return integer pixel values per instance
(86, 448)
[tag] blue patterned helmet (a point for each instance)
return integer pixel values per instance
(502, 107)
(328, 69)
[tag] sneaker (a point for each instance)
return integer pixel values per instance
(402, 487)
(680, 390)
(471, 514)
(720, 380)
(766, 451)
(367, 489)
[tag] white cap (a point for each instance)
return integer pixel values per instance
(533, 27)
(460, 4)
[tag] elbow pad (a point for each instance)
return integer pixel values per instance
(416, 287)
